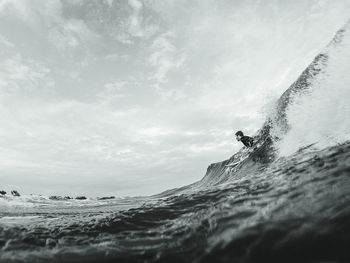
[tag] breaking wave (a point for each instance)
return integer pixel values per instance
(315, 108)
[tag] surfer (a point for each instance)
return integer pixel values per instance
(246, 140)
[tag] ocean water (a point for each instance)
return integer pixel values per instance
(287, 201)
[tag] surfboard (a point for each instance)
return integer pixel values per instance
(233, 164)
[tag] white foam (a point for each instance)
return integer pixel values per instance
(321, 116)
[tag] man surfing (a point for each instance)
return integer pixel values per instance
(246, 140)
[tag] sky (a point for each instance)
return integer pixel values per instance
(131, 97)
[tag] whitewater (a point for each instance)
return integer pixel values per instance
(287, 201)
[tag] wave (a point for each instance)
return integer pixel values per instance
(314, 109)
(312, 113)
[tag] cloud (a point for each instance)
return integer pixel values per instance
(110, 2)
(6, 43)
(47, 21)
(135, 23)
(125, 97)
(71, 34)
(114, 90)
(164, 56)
(19, 76)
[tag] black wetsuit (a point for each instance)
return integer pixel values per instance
(247, 141)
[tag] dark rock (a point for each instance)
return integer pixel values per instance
(80, 198)
(15, 193)
(2, 192)
(106, 198)
(58, 197)
(55, 197)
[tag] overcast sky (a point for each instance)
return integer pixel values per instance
(135, 97)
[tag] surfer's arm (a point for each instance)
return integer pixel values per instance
(250, 142)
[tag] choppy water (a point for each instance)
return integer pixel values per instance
(289, 201)
(293, 210)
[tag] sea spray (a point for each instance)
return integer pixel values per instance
(319, 115)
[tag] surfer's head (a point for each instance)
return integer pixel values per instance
(239, 135)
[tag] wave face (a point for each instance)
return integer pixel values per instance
(288, 201)
(314, 109)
